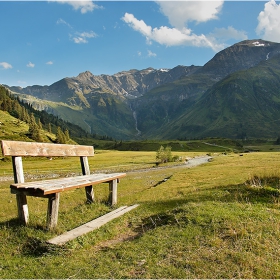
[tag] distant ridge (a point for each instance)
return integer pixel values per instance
(183, 102)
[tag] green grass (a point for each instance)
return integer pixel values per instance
(210, 221)
(12, 128)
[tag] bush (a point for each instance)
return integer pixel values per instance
(164, 154)
(176, 158)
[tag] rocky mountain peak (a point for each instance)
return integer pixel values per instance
(243, 55)
(85, 75)
(183, 101)
(254, 43)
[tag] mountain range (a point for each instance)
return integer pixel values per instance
(236, 94)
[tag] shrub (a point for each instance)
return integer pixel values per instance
(164, 154)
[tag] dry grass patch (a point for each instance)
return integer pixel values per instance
(203, 222)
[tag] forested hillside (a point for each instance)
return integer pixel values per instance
(234, 95)
(36, 125)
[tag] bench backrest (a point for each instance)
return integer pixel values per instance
(19, 148)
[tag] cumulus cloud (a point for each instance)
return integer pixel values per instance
(30, 64)
(5, 65)
(83, 6)
(82, 38)
(49, 63)
(269, 22)
(179, 13)
(151, 54)
(170, 36)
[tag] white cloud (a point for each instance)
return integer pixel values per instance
(269, 22)
(181, 12)
(5, 65)
(49, 63)
(137, 25)
(61, 21)
(82, 38)
(30, 64)
(151, 54)
(171, 36)
(83, 6)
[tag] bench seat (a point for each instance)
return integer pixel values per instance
(51, 186)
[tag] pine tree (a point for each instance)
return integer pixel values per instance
(67, 136)
(40, 124)
(60, 137)
(32, 124)
(34, 129)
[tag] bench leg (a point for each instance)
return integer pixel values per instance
(113, 189)
(52, 214)
(23, 214)
(89, 194)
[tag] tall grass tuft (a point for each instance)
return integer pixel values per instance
(268, 182)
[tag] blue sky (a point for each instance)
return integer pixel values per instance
(45, 41)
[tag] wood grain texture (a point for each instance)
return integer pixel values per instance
(52, 213)
(19, 148)
(63, 184)
(113, 191)
(86, 171)
(90, 226)
(52, 188)
(22, 206)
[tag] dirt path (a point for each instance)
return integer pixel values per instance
(192, 162)
(197, 161)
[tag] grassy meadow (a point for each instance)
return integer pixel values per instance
(217, 220)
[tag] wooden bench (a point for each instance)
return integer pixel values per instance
(52, 188)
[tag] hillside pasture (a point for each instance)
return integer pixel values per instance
(216, 220)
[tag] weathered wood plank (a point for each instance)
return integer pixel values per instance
(20, 148)
(18, 169)
(90, 226)
(113, 190)
(85, 166)
(89, 194)
(52, 188)
(64, 184)
(52, 213)
(22, 206)
(86, 171)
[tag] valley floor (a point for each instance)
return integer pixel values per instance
(217, 220)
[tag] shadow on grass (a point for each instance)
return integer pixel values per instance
(171, 212)
(29, 246)
(15, 223)
(36, 248)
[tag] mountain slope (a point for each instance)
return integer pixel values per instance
(244, 104)
(100, 104)
(126, 84)
(168, 103)
(240, 56)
